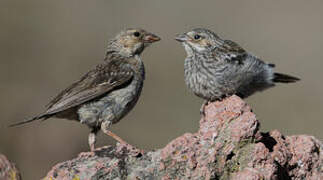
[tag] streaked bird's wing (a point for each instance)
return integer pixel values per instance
(97, 82)
(231, 52)
(94, 84)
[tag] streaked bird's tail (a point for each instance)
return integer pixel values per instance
(284, 78)
(39, 117)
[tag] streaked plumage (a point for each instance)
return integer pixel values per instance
(216, 68)
(109, 91)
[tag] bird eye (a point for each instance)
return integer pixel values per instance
(137, 34)
(196, 37)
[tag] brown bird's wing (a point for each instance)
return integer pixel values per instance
(97, 82)
(92, 85)
(231, 52)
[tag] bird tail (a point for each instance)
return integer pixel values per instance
(284, 78)
(39, 117)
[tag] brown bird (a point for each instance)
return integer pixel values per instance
(217, 68)
(108, 92)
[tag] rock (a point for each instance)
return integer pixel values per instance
(8, 170)
(228, 145)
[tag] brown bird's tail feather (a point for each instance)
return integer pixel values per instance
(39, 117)
(284, 78)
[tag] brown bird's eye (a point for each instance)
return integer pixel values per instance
(137, 34)
(196, 37)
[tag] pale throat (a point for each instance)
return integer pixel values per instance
(188, 50)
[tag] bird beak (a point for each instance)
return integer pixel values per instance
(150, 38)
(181, 37)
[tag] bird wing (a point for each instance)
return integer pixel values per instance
(231, 52)
(94, 84)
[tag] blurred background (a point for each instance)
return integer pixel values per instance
(46, 45)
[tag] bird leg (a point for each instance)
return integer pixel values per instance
(105, 125)
(114, 136)
(92, 141)
(202, 112)
(92, 138)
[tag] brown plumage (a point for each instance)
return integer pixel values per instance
(109, 91)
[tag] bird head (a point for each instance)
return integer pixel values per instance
(131, 42)
(199, 40)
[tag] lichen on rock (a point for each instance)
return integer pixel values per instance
(8, 170)
(228, 145)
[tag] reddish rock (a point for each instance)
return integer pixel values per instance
(228, 145)
(306, 161)
(8, 170)
(247, 174)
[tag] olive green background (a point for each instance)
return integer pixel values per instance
(47, 44)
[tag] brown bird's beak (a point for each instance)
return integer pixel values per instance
(150, 38)
(181, 37)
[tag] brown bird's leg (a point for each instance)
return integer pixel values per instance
(114, 136)
(105, 125)
(92, 138)
(91, 141)
(202, 112)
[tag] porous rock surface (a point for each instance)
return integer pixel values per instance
(8, 170)
(228, 145)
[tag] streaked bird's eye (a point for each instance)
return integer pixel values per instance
(137, 34)
(197, 37)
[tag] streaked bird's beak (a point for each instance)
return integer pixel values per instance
(181, 37)
(150, 38)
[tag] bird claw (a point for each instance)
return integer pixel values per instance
(133, 151)
(123, 144)
(86, 154)
(202, 113)
(202, 109)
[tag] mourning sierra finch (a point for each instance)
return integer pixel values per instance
(216, 68)
(107, 92)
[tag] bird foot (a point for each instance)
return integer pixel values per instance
(123, 144)
(202, 109)
(86, 154)
(133, 151)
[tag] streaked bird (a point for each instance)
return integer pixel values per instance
(105, 94)
(216, 68)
